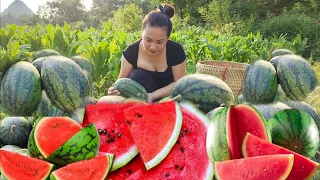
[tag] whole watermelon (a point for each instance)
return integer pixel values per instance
(206, 91)
(45, 53)
(296, 77)
(260, 84)
(20, 91)
(64, 82)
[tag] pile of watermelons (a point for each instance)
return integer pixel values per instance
(202, 131)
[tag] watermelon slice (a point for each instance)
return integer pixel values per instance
(272, 167)
(136, 164)
(50, 133)
(228, 127)
(96, 168)
(155, 129)
(114, 134)
(303, 168)
(16, 166)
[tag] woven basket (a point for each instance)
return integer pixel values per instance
(230, 72)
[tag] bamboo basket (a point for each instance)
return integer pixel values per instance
(232, 73)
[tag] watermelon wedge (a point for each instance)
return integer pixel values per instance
(188, 158)
(271, 167)
(113, 131)
(49, 134)
(155, 129)
(303, 168)
(17, 166)
(136, 164)
(228, 127)
(96, 168)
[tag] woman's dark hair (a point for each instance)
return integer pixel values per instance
(160, 18)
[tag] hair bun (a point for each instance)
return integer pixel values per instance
(168, 10)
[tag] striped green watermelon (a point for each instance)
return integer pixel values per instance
(85, 64)
(274, 61)
(92, 169)
(260, 84)
(45, 53)
(14, 131)
(296, 77)
(130, 88)
(303, 168)
(38, 63)
(268, 110)
(295, 130)
(205, 91)
(20, 91)
(81, 146)
(45, 107)
(64, 82)
(280, 96)
(279, 52)
(228, 128)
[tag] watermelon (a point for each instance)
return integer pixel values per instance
(111, 99)
(295, 130)
(49, 134)
(228, 127)
(162, 130)
(136, 164)
(83, 145)
(280, 96)
(296, 77)
(64, 82)
(275, 167)
(45, 53)
(38, 63)
(85, 64)
(303, 168)
(20, 91)
(95, 168)
(274, 61)
(260, 84)
(188, 158)
(212, 112)
(279, 52)
(15, 131)
(205, 91)
(114, 134)
(129, 88)
(16, 166)
(268, 110)
(45, 107)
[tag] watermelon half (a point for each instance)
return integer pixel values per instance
(228, 128)
(16, 166)
(96, 169)
(113, 131)
(188, 158)
(49, 134)
(303, 168)
(271, 167)
(155, 129)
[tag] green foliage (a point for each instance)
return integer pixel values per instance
(128, 18)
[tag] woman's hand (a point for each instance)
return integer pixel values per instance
(113, 91)
(151, 98)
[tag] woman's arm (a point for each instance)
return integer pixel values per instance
(178, 72)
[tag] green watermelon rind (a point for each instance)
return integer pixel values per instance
(110, 158)
(129, 88)
(171, 141)
(86, 143)
(124, 159)
(206, 121)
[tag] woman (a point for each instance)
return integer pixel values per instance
(154, 61)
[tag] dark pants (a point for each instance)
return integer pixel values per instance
(145, 79)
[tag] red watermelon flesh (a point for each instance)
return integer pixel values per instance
(303, 168)
(95, 168)
(17, 166)
(138, 175)
(114, 134)
(271, 167)
(155, 129)
(136, 164)
(242, 119)
(53, 132)
(188, 158)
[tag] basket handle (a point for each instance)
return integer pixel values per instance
(224, 73)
